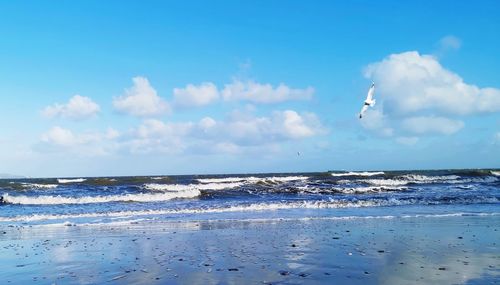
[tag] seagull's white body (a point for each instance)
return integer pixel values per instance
(369, 102)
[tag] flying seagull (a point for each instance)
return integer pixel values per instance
(369, 102)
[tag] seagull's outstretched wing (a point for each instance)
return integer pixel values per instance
(371, 91)
(363, 110)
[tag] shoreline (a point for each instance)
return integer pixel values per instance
(445, 250)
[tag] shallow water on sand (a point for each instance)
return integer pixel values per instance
(411, 250)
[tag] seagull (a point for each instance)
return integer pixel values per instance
(369, 102)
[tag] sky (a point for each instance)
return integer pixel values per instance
(98, 88)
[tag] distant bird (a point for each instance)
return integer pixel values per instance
(369, 102)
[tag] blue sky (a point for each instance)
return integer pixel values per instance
(93, 88)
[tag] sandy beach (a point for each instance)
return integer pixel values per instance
(406, 250)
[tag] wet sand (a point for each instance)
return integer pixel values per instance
(418, 250)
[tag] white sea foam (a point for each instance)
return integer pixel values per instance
(181, 187)
(496, 173)
(257, 207)
(386, 182)
(415, 178)
(75, 180)
(159, 177)
(450, 179)
(252, 179)
(364, 173)
(351, 190)
(140, 197)
(371, 189)
(238, 208)
(38, 185)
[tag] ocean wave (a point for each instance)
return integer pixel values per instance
(386, 182)
(36, 185)
(364, 173)
(236, 208)
(255, 207)
(349, 190)
(181, 187)
(253, 179)
(73, 180)
(416, 178)
(496, 173)
(140, 197)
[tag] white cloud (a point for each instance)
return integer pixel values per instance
(83, 144)
(193, 96)
(417, 96)
(60, 136)
(78, 107)
(141, 100)
(296, 126)
(431, 125)
(409, 82)
(450, 42)
(375, 120)
(237, 133)
(263, 93)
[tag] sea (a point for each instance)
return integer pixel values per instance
(330, 195)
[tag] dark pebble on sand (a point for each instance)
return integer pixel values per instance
(335, 238)
(442, 268)
(284, 272)
(304, 274)
(232, 269)
(366, 272)
(460, 237)
(381, 251)
(293, 245)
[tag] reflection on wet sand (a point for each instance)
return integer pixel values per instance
(444, 250)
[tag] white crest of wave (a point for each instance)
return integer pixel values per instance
(75, 180)
(364, 173)
(253, 179)
(325, 204)
(496, 173)
(159, 177)
(372, 189)
(386, 182)
(415, 178)
(38, 185)
(181, 187)
(140, 197)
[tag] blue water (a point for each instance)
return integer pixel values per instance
(263, 196)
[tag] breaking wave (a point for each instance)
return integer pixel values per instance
(255, 207)
(140, 197)
(252, 179)
(364, 173)
(75, 180)
(181, 187)
(37, 185)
